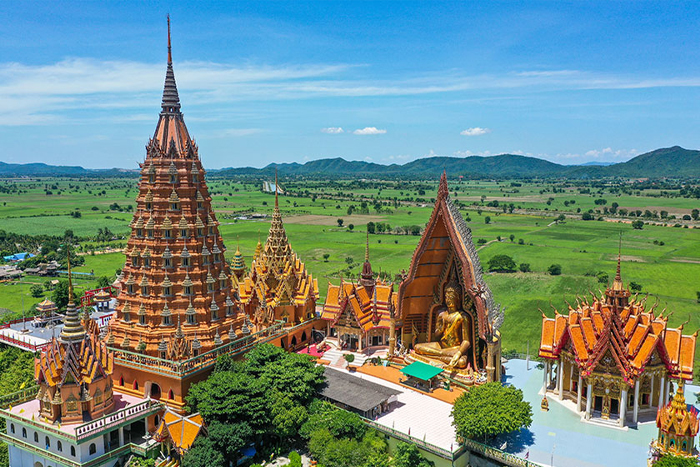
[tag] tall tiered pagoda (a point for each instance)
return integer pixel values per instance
(278, 287)
(177, 300)
(614, 357)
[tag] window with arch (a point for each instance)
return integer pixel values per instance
(36, 437)
(24, 432)
(47, 442)
(167, 263)
(59, 446)
(135, 385)
(92, 449)
(171, 396)
(684, 446)
(12, 428)
(142, 320)
(185, 262)
(192, 319)
(72, 451)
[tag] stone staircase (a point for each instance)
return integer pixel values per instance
(337, 359)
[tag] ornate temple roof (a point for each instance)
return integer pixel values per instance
(71, 365)
(182, 430)
(677, 417)
(175, 273)
(618, 323)
(445, 248)
(370, 300)
(277, 275)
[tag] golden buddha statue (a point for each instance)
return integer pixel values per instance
(452, 332)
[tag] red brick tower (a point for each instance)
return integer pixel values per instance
(177, 301)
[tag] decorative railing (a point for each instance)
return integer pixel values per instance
(470, 445)
(496, 454)
(21, 343)
(205, 360)
(117, 418)
(39, 451)
(86, 430)
(437, 450)
(23, 395)
(97, 461)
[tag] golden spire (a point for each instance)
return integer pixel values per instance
(617, 283)
(277, 206)
(367, 248)
(73, 330)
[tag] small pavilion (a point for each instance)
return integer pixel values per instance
(421, 375)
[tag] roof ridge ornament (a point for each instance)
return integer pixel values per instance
(442, 188)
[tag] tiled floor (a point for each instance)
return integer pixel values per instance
(417, 414)
(558, 437)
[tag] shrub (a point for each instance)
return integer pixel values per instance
(349, 357)
(36, 290)
(554, 270)
(602, 277)
(638, 225)
(635, 286)
(525, 267)
(294, 459)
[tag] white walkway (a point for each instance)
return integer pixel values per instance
(417, 414)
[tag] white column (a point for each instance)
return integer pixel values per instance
(662, 389)
(623, 407)
(651, 391)
(579, 388)
(668, 390)
(544, 378)
(121, 436)
(635, 416)
(560, 378)
(589, 396)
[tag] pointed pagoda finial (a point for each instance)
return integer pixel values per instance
(70, 277)
(618, 277)
(367, 248)
(442, 188)
(276, 190)
(170, 53)
(171, 99)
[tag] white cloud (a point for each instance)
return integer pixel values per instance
(476, 131)
(370, 130)
(610, 155)
(332, 130)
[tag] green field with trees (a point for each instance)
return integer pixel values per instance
(535, 246)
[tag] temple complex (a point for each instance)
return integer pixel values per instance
(76, 417)
(177, 299)
(278, 287)
(446, 313)
(360, 313)
(614, 358)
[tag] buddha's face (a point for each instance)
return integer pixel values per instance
(451, 299)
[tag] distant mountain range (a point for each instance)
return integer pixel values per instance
(671, 162)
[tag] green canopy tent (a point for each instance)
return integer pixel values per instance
(421, 372)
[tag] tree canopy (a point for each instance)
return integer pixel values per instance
(502, 263)
(490, 410)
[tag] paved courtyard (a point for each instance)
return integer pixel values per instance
(559, 438)
(417, 414)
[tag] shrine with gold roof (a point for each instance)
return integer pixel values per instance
(614, 356)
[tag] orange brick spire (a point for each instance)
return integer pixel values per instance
(177, 296)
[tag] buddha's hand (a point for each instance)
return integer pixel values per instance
(455, 358)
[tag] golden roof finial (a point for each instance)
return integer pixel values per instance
(70, 277)
(367, 248)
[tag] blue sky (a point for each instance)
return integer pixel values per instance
(284, 81)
